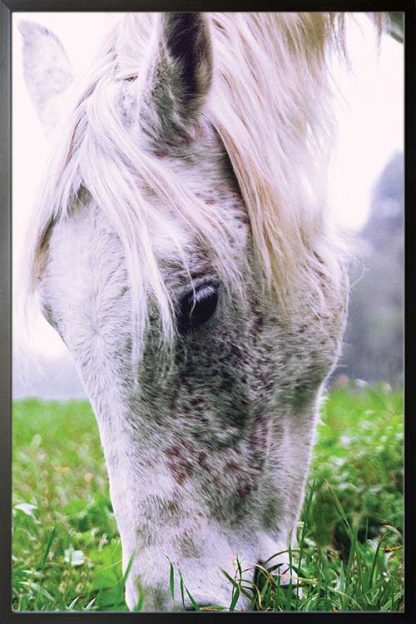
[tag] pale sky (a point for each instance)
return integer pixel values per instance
(370, 129)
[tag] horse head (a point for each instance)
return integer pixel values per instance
(181, 250)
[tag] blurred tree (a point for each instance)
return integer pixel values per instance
(396, 25)
(374, 337)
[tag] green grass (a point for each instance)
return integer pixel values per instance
(349, 555)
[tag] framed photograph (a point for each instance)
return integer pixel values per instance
(202, 387)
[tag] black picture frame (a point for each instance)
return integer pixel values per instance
(7, 8)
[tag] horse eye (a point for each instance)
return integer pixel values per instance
(197, 307)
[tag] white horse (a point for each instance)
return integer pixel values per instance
(182, 250)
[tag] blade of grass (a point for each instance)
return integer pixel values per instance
(140, 601)
(181, 587)
(172, 581)
(42, 563)
(128, 569)
(192, 599)
(234, 597)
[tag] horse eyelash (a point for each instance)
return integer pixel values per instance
(204, 292)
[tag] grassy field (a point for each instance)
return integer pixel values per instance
(66, 550)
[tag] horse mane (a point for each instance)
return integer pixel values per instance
(270, 104)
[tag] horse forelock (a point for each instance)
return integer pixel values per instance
(270, 104)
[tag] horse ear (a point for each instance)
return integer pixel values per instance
(181, 76)
(47, 70)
